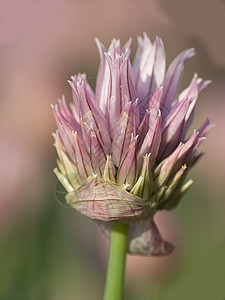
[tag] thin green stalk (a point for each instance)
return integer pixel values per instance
(116, 265)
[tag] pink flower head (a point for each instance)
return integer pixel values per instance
(122, 149)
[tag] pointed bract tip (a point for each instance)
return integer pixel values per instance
(145, 35)
(159, 41)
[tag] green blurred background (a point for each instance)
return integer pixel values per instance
(48, 251)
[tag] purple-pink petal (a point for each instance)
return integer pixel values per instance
(152, 74)
(151, 141)
(82, 159)
(165, 168)
(97, 154)
(122, 133)
(172, 80)
(127, 172)
(173, 128)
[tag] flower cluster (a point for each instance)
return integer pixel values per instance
(122, 150)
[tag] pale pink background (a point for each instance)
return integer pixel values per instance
(42, 43)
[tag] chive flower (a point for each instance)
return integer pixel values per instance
(123, 151)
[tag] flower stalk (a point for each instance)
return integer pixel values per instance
(114, 287)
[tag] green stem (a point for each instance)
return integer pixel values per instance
(116, 265)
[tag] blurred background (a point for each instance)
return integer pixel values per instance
(48, 251)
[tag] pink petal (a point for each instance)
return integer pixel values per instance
(151, 141)
(127, 83)
(114, 49)
(152, 74)
(173, 127)
(127, 172)
(92, 115)
(126, 48)
(154, 104)
(192, 92)
(205, 128)
(75, 95)
(165, 168)
(68, 174)
(122, 132)
(103, 79)
(82, 159)
(187, 148)
(141, 57)
(65, 131)
(194, 88)
(97, 154)
(151, 114)
(172, 79)
(115, 104)
(193, 156)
